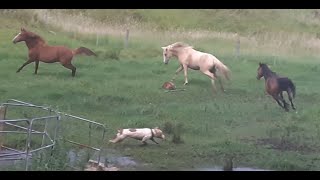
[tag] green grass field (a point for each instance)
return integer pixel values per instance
(122, 88)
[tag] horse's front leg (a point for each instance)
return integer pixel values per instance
(185, 68)
(36, 67)
(177, 72)
(24, 64)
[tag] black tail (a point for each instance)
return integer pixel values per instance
(293, 88)
(285, 84)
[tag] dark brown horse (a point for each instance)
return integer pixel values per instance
(39, 50)
(275, 85)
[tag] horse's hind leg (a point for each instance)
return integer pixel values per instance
(71, 67)
(221, 85)
(290, 98)
(212, 77)
(285, 104)
(24, 64)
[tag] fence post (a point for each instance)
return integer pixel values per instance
(2, 117)
(97, 40)
(127, 39)
(238, 46)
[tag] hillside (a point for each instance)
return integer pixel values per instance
(277, 32)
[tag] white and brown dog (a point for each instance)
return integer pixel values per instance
(142, 134)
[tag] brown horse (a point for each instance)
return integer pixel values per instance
(39, 50)
(275, 85)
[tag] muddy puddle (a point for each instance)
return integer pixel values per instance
(124, 163)
(109, 160)
(234, 169)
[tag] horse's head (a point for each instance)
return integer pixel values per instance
(260, 70)
(24, 35)
(166, 54)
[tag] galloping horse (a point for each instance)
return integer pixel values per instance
(39, 50)
(196, 60)
(275, 85)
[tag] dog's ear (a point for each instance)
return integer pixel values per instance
(120, 131)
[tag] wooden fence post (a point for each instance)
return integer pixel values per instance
(238, 46)
(97, 40)
(127, 39)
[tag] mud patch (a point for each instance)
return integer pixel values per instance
(110, 160)
(121, 161)
(234, 169)
(285, 145)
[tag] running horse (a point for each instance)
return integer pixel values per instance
(190, 58)
(275, 85)
(39, 50)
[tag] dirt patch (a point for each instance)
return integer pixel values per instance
(285, 145)
(234, 169)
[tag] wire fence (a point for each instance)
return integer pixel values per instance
(26, 129)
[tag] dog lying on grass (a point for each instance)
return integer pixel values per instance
(142, 134)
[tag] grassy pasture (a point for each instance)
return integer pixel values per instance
(122, 87)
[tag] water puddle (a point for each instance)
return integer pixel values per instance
(122, 162)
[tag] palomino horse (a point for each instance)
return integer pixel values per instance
(196, 60)
(275, 85)
(39, 50)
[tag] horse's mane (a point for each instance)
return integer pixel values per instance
(39, 38)
(266, 69)
(180, 45)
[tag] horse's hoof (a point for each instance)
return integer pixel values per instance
(185, 84)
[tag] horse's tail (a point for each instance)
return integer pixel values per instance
(293, 88)
(83, 50)
(223, 68)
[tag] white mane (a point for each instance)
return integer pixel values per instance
(179, 45)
